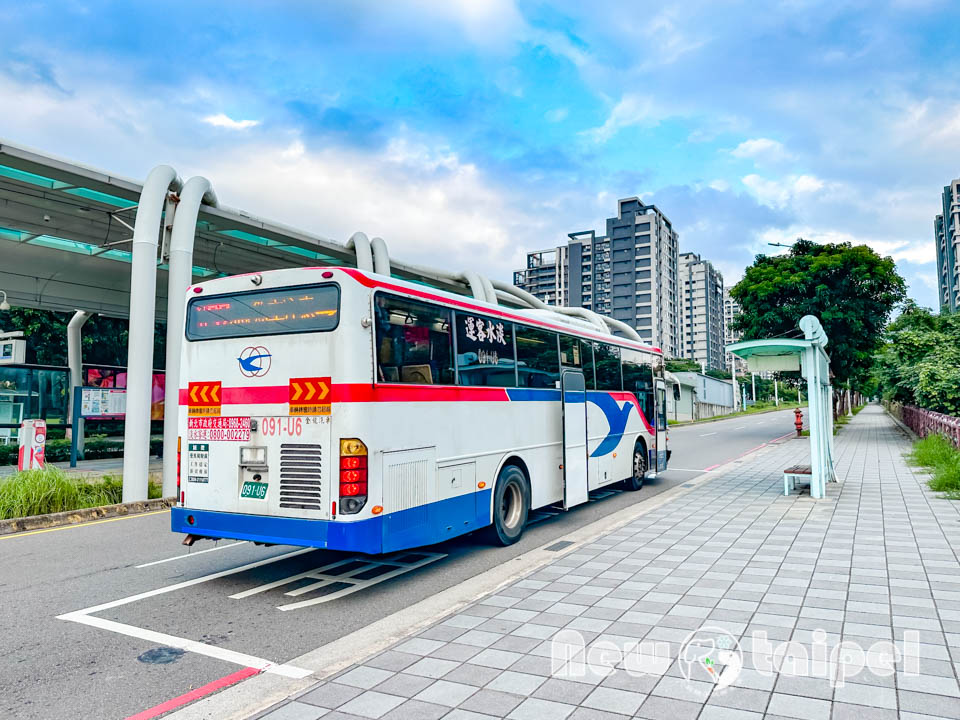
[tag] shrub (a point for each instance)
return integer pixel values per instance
(938, 454)
(50, 490)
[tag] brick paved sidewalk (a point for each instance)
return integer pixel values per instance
(875, 558)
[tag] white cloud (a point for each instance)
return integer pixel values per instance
(719, 185)
(557, 114)
(761, 150)
(778, 193)
(222, 120)
(633, 109)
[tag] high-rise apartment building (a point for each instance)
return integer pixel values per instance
(630, 273)
(946, 228)
(701, 312)
(731, 309)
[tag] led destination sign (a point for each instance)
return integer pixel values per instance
(268, 312)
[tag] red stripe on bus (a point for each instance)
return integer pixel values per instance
(361, 278)
(200, 692)
(629, 397)
(360, 392)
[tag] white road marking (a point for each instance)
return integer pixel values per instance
(290, 671)
(193, 554)
(708, 434)
(325, 577)
(673, 469)
(85, 617)
(740, 428)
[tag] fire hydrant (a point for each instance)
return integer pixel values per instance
(798, 423)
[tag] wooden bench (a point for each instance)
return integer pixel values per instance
(791, 474)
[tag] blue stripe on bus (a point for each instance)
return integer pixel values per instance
(414, 527)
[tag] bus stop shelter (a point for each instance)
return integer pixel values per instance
(807, 355)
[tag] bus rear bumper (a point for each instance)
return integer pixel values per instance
(364, 536)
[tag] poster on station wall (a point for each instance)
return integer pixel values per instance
(117, 378)
(103, 402)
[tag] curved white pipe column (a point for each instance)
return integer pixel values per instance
(75, 363)
(360, 244)
(476, 284)
(488, 290)
(179, 276)
(381, 256)
(143, 294)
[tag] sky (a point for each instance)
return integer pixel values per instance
(466, 133)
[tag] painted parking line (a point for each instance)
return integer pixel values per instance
(708, 434)
(345, 577)
(192, 554)
(86, 617)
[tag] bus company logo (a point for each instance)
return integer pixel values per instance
(255, 361)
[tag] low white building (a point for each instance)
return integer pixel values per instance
(699, 396)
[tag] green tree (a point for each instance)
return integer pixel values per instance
(920, 361)
(851, 289)
(104, 339)
(681, 365)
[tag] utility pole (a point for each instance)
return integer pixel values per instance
(753, 386)
(733, 373)
(776, 393)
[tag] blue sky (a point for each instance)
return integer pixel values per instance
(466, 133)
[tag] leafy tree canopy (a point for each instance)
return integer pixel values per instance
(681, 365)
(851, 289)
(920, 362)
(104, 339)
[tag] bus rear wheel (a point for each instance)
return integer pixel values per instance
(511, 504)
(635, 482)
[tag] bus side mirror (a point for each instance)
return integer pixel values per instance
(676, 392)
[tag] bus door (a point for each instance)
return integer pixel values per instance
(661, 420)
(573, 392)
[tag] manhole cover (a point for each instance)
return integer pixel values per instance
(161, 656)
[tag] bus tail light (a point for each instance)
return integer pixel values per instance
(353, 475)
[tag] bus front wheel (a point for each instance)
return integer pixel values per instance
(511, 504)
(635, 482)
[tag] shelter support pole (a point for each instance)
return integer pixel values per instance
(197, 190)
(75, 363)
(143, 293)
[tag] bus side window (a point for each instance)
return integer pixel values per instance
(586, 352)
(607, 364)
(485, 351)
(538, 358)
(638, 379)
(414, 342)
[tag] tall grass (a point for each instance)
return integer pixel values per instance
(938, 454)
(50, 490)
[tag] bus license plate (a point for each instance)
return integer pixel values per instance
(254, 490)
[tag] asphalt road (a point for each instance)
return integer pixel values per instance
(60, 668)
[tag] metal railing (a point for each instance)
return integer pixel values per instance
(926, 422)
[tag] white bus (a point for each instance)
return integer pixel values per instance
(335, 408)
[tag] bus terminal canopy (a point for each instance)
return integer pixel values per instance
(809, 356)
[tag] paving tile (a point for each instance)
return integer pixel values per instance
(371, 704)
(444, 692)
(663, 708)
(614, 700)
(431, 667)
(793, 706)
(405, 685)
(537, 709)
(364, 677)
(416, 710)
(856, 694)
(491, 702)
(330, 695)
(295, 711)
(516, 682)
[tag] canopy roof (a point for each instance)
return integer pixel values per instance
(65, 232)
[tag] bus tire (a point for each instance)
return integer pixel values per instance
(635, 482)
(511, 504)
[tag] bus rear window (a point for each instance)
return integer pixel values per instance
(306, 308)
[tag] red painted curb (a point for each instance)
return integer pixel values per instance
(189, 697)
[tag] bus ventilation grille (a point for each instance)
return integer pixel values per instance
(300, 475)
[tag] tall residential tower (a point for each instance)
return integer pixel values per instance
(946, 229)
(630, 273)
(701, 312)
